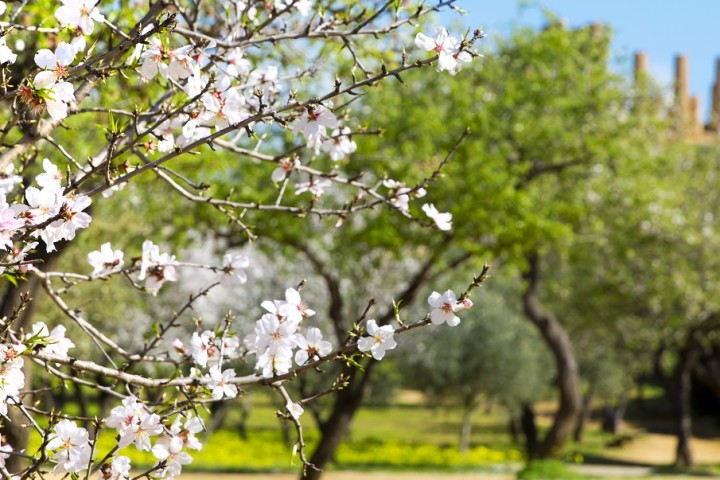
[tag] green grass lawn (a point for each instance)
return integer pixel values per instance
(401, 437)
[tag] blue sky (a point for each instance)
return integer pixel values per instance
(661, 28)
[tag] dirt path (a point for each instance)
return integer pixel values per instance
(355, 476)
(659, 449)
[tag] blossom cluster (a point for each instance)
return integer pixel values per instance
(277, 335)
(49, 215)
(451, 55)
(230, 91)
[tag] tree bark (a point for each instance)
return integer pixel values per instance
(335, 428)
(466, 428)
(349, 399)
(683, 394)
(568, 379)
(527, 421)
(583, 417)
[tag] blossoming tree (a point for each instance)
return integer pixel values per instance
(168, 85)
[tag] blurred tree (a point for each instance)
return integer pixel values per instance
(494, 355)
(549, 121)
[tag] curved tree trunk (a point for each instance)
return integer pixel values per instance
(568, 379)
(347, 401)
(466, 428)
(683, 393)
(336, 427)
(527, 421)
(584, 416)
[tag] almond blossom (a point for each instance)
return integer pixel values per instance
(105, 261)
(117, 469)
(444, 308)
(51, 177)
(134, 423)
(54, 64)
(205, 348)
(187, 430)
(314, 120)
(70, 447)
(450, 57)
(311, 346)
(9, 223)
(339, 145)
(72, 216)
(275, 363)
(286, 166)
(156, 268)
(315, 186)
(81, 14)
(5, 449)
(8, 179)
(380, 339)
(233, 266)
(54, 342)
(219, 383)
(6, 54)
(295, 410)
(12, 378)
(443, 220)
(169, 451)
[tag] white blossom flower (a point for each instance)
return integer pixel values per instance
(450, 57)
(70, 447)
(186, 431)
(5, 448)
(339, 145)
(271, 334)
(444, 308)
(443, 220)
(311, 346)
(6, 54)
(135, 424)
(205, 348)
(12, 378)
(233, 268)
(156, 268)
(55, 341)
(295, 410)
(237, 65)
(59, 97)
(106, 260)
(79, 14)
(9, 223)
(275, 363)
(379, 340)
(117, 469)
(219, 383)
(51, 177)
(315, 186)
(54, 65)
(72, 216)
(169, 450)
(314, 120)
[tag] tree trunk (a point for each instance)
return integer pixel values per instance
(568, 380)
(683, 454)
(614, 415)
(584, 416)
(527, 421)
(466, 428)
(336, 427)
